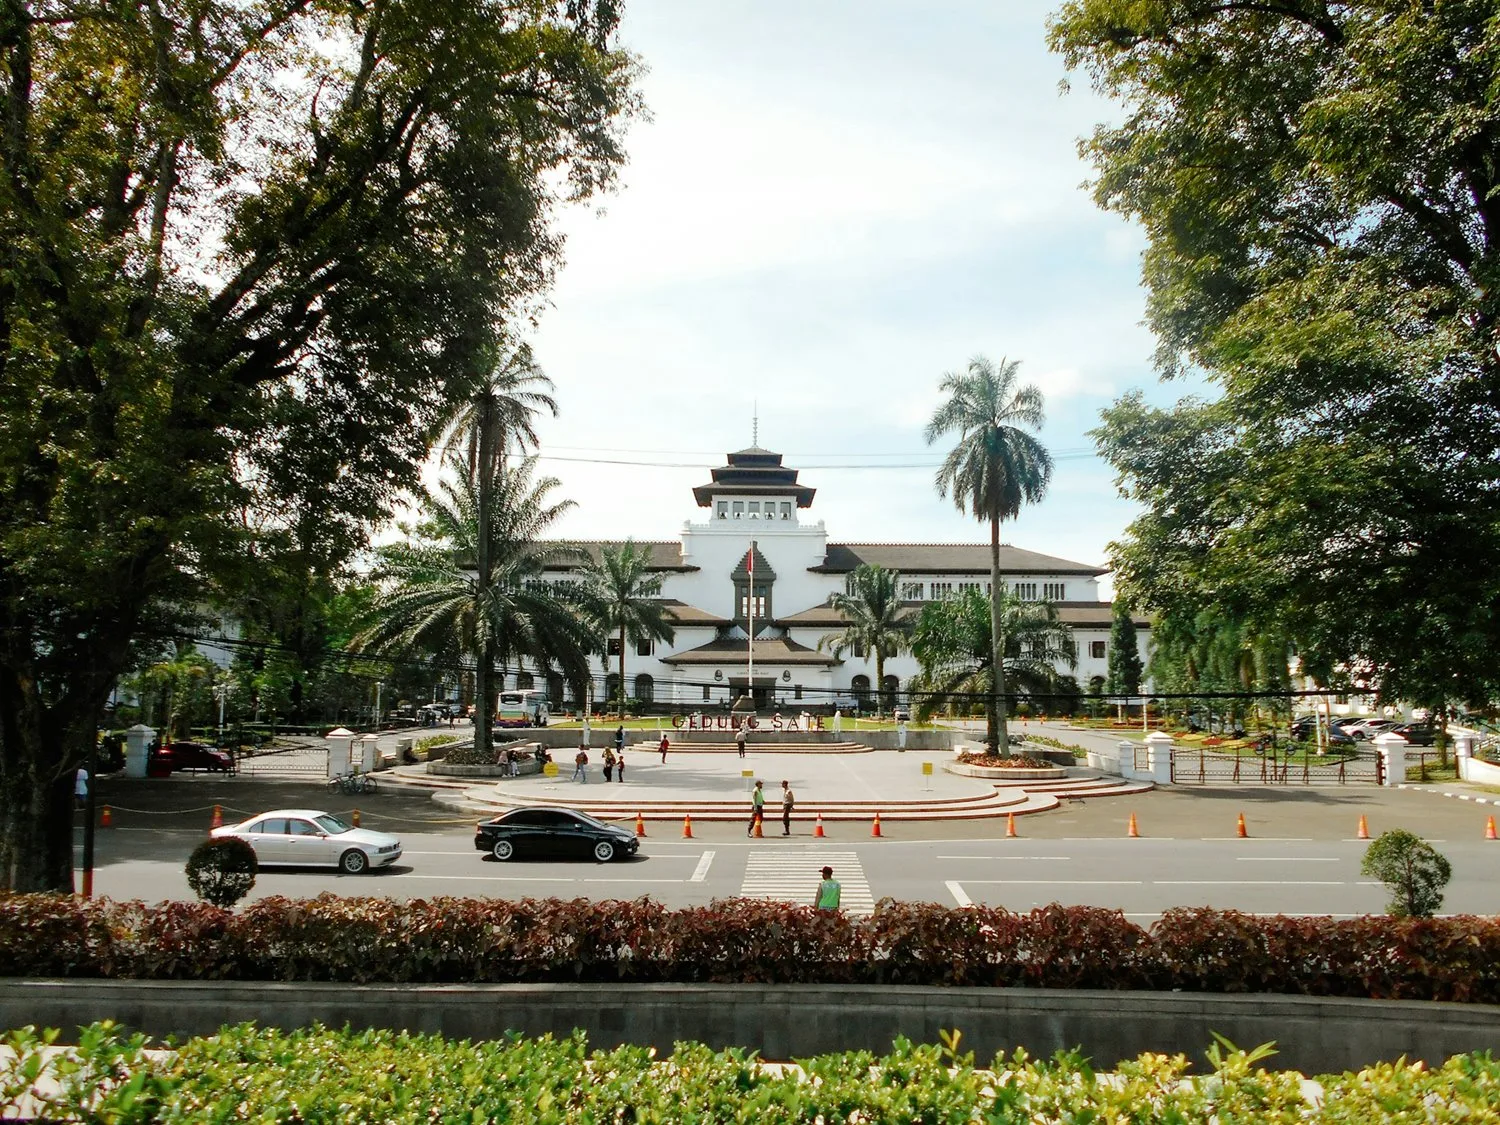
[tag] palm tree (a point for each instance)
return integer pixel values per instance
(625, 600)
(994, 469)
(504, 397)
(871, 606)
(433, 598)
(954, 643)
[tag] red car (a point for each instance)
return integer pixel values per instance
(196, 756)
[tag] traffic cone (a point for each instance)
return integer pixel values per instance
(217, 820)
(1133, 832)
(106, 818)
(1489, 829)
(818, 832)
(1240, 831)
(759, 835)
(640, 825)
(875, 828)
(1010, 825)
(354, 818)
(1364, 829)
(687, 826)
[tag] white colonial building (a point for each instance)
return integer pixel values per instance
(708, 587)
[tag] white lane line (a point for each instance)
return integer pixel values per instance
(522, 879)
(958, 894)
(1061, 882)
(701, 871)
(1252, 883)
(1008, 858)
(1287, 858)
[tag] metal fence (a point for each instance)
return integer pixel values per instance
(1205, 765)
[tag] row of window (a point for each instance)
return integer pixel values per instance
(939, 591)
(752, 509)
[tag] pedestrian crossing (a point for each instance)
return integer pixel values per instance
(792, 876)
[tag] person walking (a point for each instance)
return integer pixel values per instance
(739, 740)
(664, 745)
(757, 807)
(81, 787)
(609, 765)
(581, 765)
(619, 738)
(788, 799)
(620, 767)
(826, 901)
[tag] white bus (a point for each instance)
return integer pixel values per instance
(522, 709)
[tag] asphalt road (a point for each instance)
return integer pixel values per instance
(1301, 856)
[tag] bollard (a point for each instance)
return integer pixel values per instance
(687, 826)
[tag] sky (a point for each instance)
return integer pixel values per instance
(833, 204)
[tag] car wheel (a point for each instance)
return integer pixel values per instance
(503, 850)
(353, 862)
(604, 851)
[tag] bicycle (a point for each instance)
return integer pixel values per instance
(350, 783)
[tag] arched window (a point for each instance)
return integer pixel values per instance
(554, 689)
(645, 688)
(525, 681)
(888, 689)
(611, 689)
(860, 686)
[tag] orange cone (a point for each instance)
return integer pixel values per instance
(354, 818)
(1133, 832)
(1489, 830)
(106, 818)
(1010, 825)
(819, 833)
(759, 835)
(687, 826)
(217, 820)
(1364, 829)
(640, 825)
(875, 828)
(1240, 831)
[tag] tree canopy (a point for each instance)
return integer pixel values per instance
(874, 620)
(1318, 186)
(624, 598)
(246, 247)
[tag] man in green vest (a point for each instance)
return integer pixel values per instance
(757, 807)
(828, 892)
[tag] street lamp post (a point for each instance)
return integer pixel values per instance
(378, 686)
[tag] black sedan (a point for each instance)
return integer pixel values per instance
(1417, 734)
(553, 834)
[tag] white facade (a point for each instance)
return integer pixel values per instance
(753, 499)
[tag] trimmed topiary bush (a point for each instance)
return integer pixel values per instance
(221, 870)
(1412, 869)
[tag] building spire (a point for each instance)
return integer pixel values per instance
(755, 424)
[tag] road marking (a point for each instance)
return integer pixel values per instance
(1008, 857)
(958, 894)
(1251, 883)
(701, 871)
(1062, 882)
(793, 877)
(1287, 858)
(523, 879)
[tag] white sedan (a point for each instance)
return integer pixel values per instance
(307, 838)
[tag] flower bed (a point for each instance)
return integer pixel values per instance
(1025, 768)
(355, 940)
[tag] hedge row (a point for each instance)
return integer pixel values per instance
(316, 1075)
(331, 938)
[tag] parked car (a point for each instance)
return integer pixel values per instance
(554, 833)
(1307, 726)
(196, 756)
(901, 714)
(1366, 729)
(1418, 734)
(308, 838)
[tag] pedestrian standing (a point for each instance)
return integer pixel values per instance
(901, 734)
(757, 807)
(838, 721)
(581, 765)
(609, 765)
(827, 899)
(585, 727)
(81, 786)
(788, 800)
(739, 740)
(619, 738)
(620, 767)
(664, 745)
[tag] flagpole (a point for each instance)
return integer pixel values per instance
(750, 617)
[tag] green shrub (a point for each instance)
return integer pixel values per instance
(221, 870)
(1413, 871)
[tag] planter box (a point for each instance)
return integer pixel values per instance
(1001, 773)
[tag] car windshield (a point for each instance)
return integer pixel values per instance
(332, 824)
(590, 821)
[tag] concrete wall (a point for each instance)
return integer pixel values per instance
(1313, 1035)
(1480, 773)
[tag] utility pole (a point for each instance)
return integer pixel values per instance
(377, 704)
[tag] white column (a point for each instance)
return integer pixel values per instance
(1392, 751)
(339, 741)
(1159, 757)
(137, 748)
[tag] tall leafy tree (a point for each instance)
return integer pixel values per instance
(507, 394)
(244, 247)
(995, 468)
(1317, 185)
(625, 598)
(431, 598)
(875, 621)
(1125, 665)
(954, 643)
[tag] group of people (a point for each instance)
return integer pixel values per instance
(614, 759)
(758, 808)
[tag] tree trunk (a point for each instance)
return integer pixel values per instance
(622, 671)
(484, 713)
(999, 737)
(879, 683)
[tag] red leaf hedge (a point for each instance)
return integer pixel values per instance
(331, 938)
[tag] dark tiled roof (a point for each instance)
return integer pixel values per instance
(1080, 615)
(665, 555)
(684, 614)
(946, 558)
(826, 616)
(769, 650)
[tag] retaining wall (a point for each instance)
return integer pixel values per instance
(1312, 1034)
